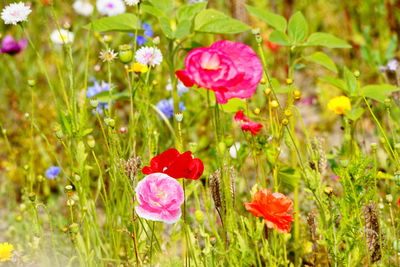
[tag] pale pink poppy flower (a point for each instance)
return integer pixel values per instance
(160, 198)
(230, 69)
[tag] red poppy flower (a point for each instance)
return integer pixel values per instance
(239, 116)
(246, 124)
(176, 165)
(252, 126)
(276, 209)
(398, 202)
(272, 46)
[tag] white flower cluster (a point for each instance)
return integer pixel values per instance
(15, 13)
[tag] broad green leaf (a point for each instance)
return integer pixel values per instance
(166, 5)
(165, 25)
(212, 21)
(355, 113)
(379, 92)
(188, 12)
(233, 105)
(351, 82)
(297, 28)
(339, 83)
(154, 11)
(322, 59)
(184, 29)
(327, 40)
(279, 38)
(276, 21)
(122, 23)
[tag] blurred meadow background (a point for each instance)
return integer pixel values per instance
(298, 167)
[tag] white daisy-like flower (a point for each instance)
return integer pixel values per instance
(83, 8)
(108, 55)
(15, 13)
(132, 2)
(61, 36)
(149, 56)
(110, 7)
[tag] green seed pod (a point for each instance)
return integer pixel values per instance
(397, 179)
(125, 53)
(199, 216)
(222, 147)
(229, 140)
(31, 82)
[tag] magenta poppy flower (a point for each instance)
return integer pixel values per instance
(230, 69)
(10, 46)
(160, 197)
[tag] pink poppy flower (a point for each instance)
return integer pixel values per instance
(230, 69)
(160, 197)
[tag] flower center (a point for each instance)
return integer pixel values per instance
(209, 61)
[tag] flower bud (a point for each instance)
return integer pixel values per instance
(109, 122)
(179, 116)
(31, 82)
(32, 196)
(90, 141)
(267, 91)
(297, 94)
(229, 140)
(199, 216)
(193, 147)
(156, 40)
(125, 53)
(285, 122)
(68, 188)
(123, 130)
(94, 103)
(356, 73)
(328, 190)
(107, 38)
(274, 104)
(289, 81)
(222, 147)
(74, 228)
(263, 81)
(256, 111)
(288, 113)
(389, 198)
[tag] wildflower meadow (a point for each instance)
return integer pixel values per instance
(199, 133)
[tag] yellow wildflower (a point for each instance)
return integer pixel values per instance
(6, 250)
(339, 104)
(137, 67)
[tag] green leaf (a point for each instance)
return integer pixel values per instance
(327, 40)
(212, 21)
(297, 28)
(166, 5)
(279, 38)
(154, 11)
(276, 21)
(165, 25)
(188, 12)
(233, 105)
(120, 23)
(184, 29)
(351, 82)
(322, 59)
(379, 92)
(339, 83)
(355, 113)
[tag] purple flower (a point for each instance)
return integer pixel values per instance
(96, 89)
(52, 172)
(10, 46)
(166, 106)
(148, 32)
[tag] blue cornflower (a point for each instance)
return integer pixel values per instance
(96, 89)
(166, 106)
(181, 87)
(148, 31)
(52, 172)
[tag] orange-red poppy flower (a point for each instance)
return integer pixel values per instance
(275, 208)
